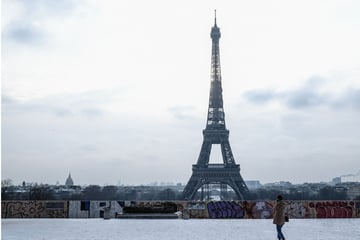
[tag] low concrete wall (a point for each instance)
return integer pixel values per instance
(212, 209)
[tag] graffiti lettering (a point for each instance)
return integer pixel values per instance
(297, 209)
(152, 207)
(225, 209)
(333, 209)
(34, 209)
(25, 209)
(262, 210)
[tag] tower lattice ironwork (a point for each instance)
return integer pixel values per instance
(228, 172)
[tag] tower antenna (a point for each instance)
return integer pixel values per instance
(215, 16)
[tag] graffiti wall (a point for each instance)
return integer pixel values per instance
(34, 209)
(152, 207)
(225, 209)
(94, 209)
(240, 209)
(295, 209)
(195, 210)
(357, 207)
(79, 209)
(333, 209)
(212, 209)
(98, 209)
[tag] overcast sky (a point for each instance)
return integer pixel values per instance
(116, 92)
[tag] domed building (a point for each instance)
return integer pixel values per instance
(69, 181)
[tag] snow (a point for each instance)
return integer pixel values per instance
(138, 229)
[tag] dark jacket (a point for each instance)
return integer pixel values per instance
(279, 213)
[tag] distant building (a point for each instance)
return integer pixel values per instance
(281, 184)
(336, 180)
(350, 178)
(353, 190)
(69, 181)
(253, 184)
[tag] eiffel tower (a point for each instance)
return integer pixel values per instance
(227, 173)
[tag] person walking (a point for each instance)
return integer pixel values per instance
(279, 216)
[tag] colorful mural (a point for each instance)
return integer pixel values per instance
(298, 209)
(195, 210)
(295, 209)
(334, 209)
(225, 209)
(34, 209)
(212, 209)
(245, 209)
(260, 210)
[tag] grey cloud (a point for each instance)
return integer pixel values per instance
(92, 112)
(25, 29)
(182, 112)
(351, 98)
(13, 106)
(306, 96)
(23, 33)
(260, 96)
(48, 7)
(38, 9)
(62, 112)
(92, 148)
(314, 82)
(5, 99)
(303, 98)
(59, 106)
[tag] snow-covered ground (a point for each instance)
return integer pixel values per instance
(136, 229)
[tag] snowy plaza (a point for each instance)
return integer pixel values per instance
(138, 229)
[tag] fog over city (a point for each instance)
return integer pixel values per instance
(116, 92)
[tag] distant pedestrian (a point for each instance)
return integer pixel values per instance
(279, 216)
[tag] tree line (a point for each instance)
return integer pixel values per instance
(95, 192)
